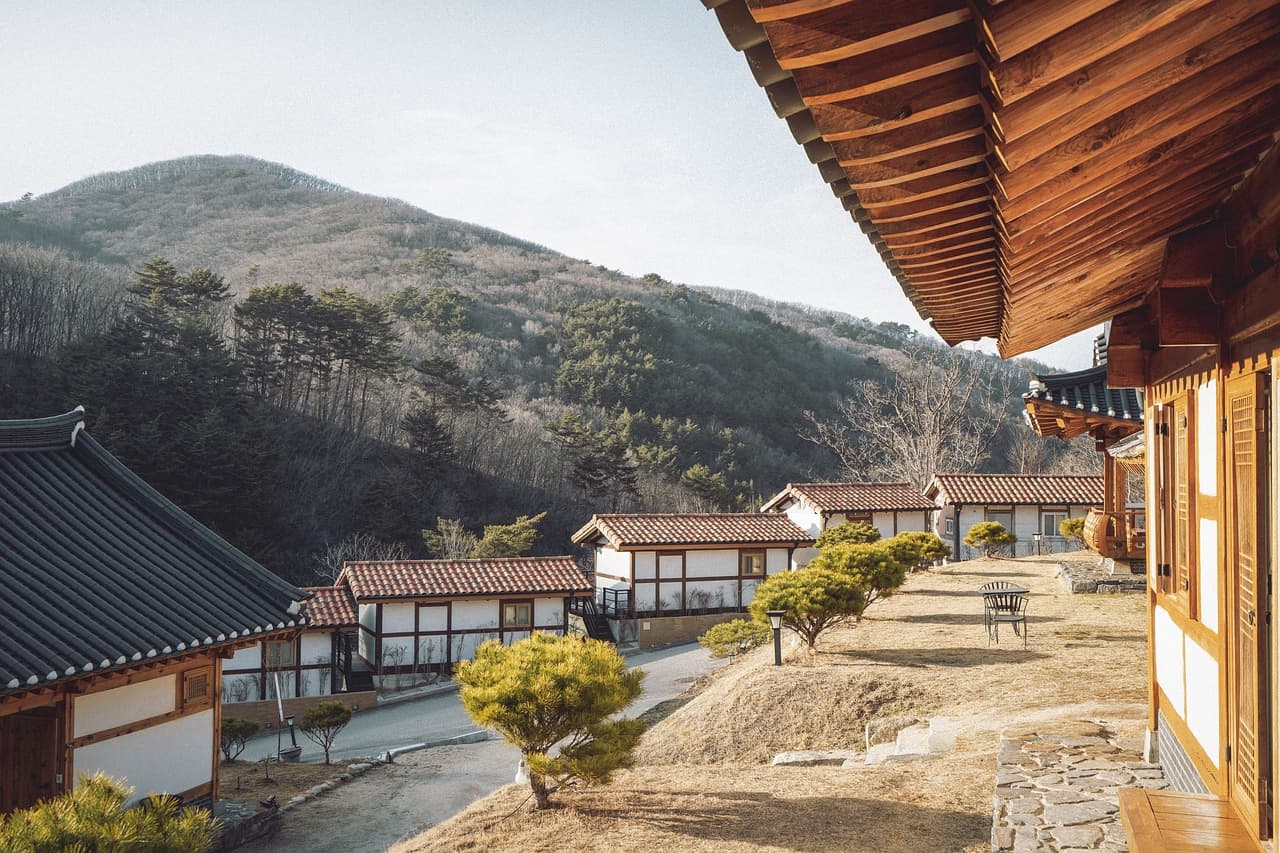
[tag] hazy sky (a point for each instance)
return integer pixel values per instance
(628, 133)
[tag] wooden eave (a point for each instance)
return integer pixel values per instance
(1052, 420)
(1020, 165)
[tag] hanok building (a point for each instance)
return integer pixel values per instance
(664, 568)
(119, 610)
(891, 508)
(1069, 405)
(1029, 169)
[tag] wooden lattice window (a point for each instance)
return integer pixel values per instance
(197, 686)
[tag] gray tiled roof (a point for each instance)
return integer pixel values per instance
(99, 571)
(1087, 390)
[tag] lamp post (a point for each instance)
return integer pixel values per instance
(293, 738)
(1035, 537)
(775, 620)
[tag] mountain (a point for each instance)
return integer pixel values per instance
(701, 392)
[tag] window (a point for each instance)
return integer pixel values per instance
(1175, 503)
(278, 654)
(517, 615)
(1002, 514)
(951, 526)
(195, 687)
(1049, 521)
(752, 563)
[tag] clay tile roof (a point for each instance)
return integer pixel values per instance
(456, 578)
(1047, 489)
(331, 607)
(854, 497)
(716, 528)
(1085, 392)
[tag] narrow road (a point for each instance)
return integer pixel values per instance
(423, 788)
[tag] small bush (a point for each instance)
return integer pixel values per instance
(813, 598)
(918, 549)
(734, 638)
(235, 734)
(874, 566)
(849, 533)
(93, 817)
(321, 723)
(1072, 529)
(990, 536)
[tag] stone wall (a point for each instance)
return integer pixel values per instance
(670, 630)
(267, 714)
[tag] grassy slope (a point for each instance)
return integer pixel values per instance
(701, 780)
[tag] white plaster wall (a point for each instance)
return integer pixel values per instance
(883, 521)
(122, 705)
(775, 560)
(835, 520)
(368, 621)
(548, 612)
(644, 596)
(805, 517)
(1207, 420)
(912, 522)
(609, 583)
(718, 594)
(468, 643)
(434, 617)
(431, 650)
(1202, 699)
(749, 591)
(669, 596)
(398, 617)
(286, 680)
(611, 562)
(646, 564)
(670, 565)
(801, 557)
(165, 759)
(709, 564)
(1026, 520)
(1209, 573)
(514, 636)
(389, 646)
(247, 658)
(481, 613)
(1168, 650)
(317, 647)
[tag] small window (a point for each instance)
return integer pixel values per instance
(195, 686)
(1049, 521)
(752, 562)
(1002, 514)
(951, 526)
(517, 614)
(278, 654)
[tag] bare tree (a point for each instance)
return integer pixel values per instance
(1078, 456)
(355, 546)
(1029, 453)
(939, 412)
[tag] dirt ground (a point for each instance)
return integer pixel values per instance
(256, 780)
(702, 780)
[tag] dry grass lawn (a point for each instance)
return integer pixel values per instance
(702, 779)
(248, 780)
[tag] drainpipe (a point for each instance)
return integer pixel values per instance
(955, 532)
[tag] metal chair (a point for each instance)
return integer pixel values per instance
(986, 589)
(1009, 609)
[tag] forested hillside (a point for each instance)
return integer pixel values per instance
(308, 364)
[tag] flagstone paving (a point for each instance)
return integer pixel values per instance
(1056, 791)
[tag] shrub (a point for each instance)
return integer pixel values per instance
(813, 599)
(93, 817)
(990, 536)
(875, 567)
(1072, 529)
(918, 549)
(235, 734)
(548, 689)
(851, 532)
(321, 724)
(733, 638)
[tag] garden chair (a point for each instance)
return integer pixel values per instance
(1009, 608)
(987, 589)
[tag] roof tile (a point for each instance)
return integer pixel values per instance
(1039, 489)
(457, 578)
(855, 497)
(718, 528)
(331, 607)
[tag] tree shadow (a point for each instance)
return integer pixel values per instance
(995, 575)
(954, 656)
(818, 824)
(957, 593)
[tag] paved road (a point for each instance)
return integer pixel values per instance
(424, 788)
(670, 672)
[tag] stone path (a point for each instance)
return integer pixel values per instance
(1056, 791)
(1092, 574)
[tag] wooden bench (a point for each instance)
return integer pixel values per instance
(1180, 823)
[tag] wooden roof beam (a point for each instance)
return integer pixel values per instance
(899, 107)
(910, 210)
(1098, 35)
(914, 138)
(977, 210)
(1012, 27)
(1160, 89)
(927, 187)
(881, 70)
(1251, 219)
(924, 241)
(1118, 69)
(967, 151)
(855, 28)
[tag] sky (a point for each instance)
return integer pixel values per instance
(626, 133)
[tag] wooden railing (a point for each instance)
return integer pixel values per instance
(1118, 535)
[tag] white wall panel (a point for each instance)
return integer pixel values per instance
(1207, 438)
(433, 617)
(709, 564)
(801, 557)
(644, 596)
(712, 594)
(912, 522)
(397, 617)
(246, 658)
(1202, 699)
(646, 563)
(1168, 649)
(432, 650)
(548, 612)
(669, 596)
(806, 518)
(1209, 573)
(670, 565)
(119, 706)
(611, 562)
(482, 613)
(883, 521)
(775, 560)
(166, 759)
(317, 647)
(749, 591)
